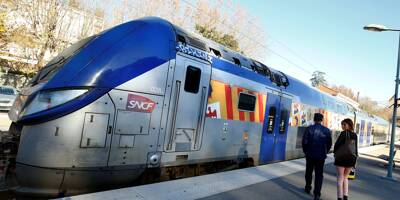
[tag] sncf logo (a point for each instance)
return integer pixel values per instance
(140, 104)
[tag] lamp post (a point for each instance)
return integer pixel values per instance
(380, 28)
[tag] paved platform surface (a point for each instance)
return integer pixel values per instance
(284, 180)
(368, 185)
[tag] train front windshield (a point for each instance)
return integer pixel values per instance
(58, 62)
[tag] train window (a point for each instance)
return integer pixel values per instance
(192, 80)
(282, 125)
(55, 64)
(271, 120)
(247, 102)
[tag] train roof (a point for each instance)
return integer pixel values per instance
(271, 76)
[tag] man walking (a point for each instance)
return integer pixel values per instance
(317, 141)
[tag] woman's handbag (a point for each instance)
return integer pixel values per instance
(352, 174)
(347, 151)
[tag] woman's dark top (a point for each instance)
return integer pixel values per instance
(341, 141)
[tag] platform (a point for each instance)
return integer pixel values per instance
(284, 180)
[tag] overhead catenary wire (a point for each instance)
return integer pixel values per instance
(281, 43)
(268, 48)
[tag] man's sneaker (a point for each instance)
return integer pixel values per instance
(307, 190)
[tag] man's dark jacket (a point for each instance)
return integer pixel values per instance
(317, 141)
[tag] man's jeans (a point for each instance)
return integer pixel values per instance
(318, 165)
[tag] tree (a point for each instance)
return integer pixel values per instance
(318, 78)
(3, 30)
(45, 27)
(346, 91)
(372, 107)
(231, 21)
(224, 39)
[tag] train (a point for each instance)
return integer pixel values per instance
(149, 99)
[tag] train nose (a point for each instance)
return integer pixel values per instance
(37, 181)
(49, 182)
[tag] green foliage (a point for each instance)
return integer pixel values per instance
(318, 78)
(213, 34)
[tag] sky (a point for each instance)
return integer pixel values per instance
(328, 36)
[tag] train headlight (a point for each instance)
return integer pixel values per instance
(48, 99)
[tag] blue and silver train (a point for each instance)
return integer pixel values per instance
(148, 99)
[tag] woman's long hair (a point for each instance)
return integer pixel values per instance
(349, 122)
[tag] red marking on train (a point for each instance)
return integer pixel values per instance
(211, 114)
(228, 96)
(251, 113)
(260, 108)
(140, 104)
(241, 113)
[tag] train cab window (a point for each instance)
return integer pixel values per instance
(282, 125)
(247, 102)
(357, 128)
(271, 120)
(192, 80)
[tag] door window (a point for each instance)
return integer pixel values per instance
(282, 125)
(271, 119)
(192, 80)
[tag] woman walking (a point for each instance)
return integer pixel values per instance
(346, 154)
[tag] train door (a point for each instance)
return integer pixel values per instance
(187, 106)
(274, 134)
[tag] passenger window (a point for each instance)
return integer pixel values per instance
(247, 102)
(271, 120)
(192, 81)
(282, 125)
